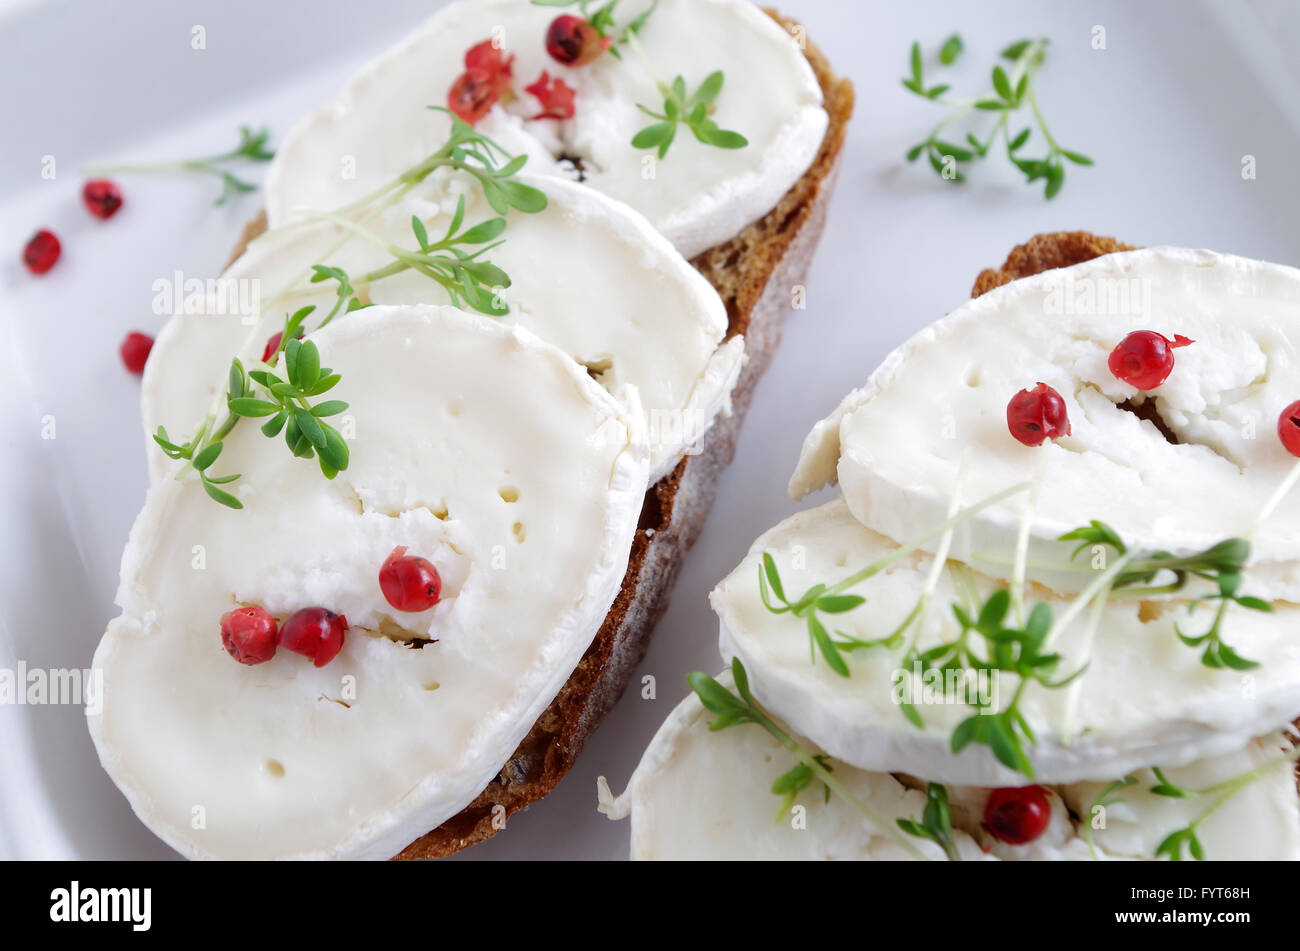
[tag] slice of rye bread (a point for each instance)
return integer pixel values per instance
(756, 273)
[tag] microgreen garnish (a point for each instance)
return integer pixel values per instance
(1186, 838)
(285, 399)
(492, 166)
(1174, 843)
(1217, 653)
(463, 274)
(1009, 649)
(466, 277)
(346, 300)
(602, 18)
(950, 50)
(1006, 645)
(466, 150)
(252, 147)
(1013, 90)
(1220, 564)
(817, 599)
(1094, 533)
(1164, 787)
(202, 450)
(936, 821)
(733, 709)
(795, 780)
(831, 600)
(695, 110)
(1105, 798)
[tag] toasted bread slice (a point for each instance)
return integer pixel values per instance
(755, 273)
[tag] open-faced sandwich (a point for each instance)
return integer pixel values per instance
(427, 457)
(1052, 613)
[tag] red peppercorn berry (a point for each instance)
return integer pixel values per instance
(472, 94)
(1017, 814)
(555, 95)
(1037, 415)
(315, 633)
(273, 344)
(42, 252)
(409, 583)
(102, 198)
(492, 60)
(135, 351)
(248, 634)
(1288, 428)
(572, 41)
(1145, 358)
(488, 72)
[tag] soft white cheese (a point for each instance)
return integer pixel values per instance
(898, 444)
(522, 484)
(587, 274)
(698, 195)
(707, 796)
(703, 795)
(1144, 698)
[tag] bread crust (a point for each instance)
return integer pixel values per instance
(755, 273)
(1044, 252)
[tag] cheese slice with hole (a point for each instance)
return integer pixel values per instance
(522, 485)
(1143, 699)
(703, 795)
(698, 195)
(931, 422)
(587, 274)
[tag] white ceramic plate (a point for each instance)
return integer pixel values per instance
(1168, 109)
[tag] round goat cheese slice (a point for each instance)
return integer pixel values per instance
(587, 274)
(1143, 697)
(931, 421)
(704, 795)
(521, 483)
(698, 195)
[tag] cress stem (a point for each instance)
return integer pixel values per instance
(835, 785)
(1102, 581)
(1022, 540)
(965, 515)
(1274, 501)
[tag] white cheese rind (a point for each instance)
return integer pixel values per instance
(697, 794)
(523, 488)
(587, 274)
(1144, 699)
(698, 196)
(897, 444)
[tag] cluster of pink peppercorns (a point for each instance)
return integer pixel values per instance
(251, 636)
(1144, 359)
(570, 41)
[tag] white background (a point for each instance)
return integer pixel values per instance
(1182, 91)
